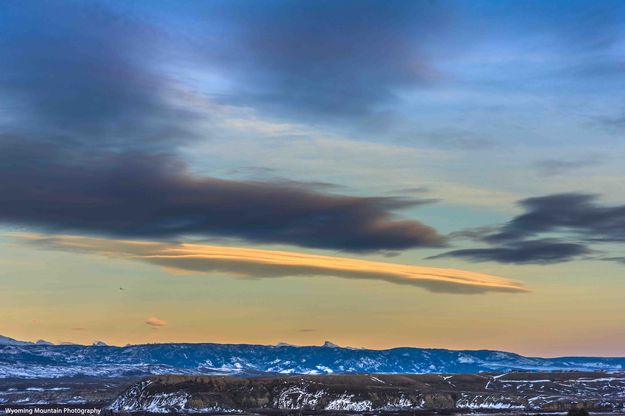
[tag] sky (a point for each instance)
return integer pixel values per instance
(376, 173)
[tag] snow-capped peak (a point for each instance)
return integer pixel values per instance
(242, 359)
(10, 341)
(99, 344)
(285, 344)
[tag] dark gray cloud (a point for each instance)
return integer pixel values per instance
(323, 61)
(147, 195)
(328, 58)
(552, 167)
(543, 251)
(577, 219)
(475, 234)
(79, 75)
(90, 144)
(616, 259)
(90, 132)
(419, 190)
(576, 213)
(349, 58)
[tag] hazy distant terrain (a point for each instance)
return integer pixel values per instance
(23, 360)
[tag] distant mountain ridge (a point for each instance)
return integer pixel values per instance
(31, 360)
(10, 341)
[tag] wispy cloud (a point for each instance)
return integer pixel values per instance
(155, 322)
(552, 167)
(541, 251)
(257, 263)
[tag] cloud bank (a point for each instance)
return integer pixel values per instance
(94, 132)
(152, 196)
(573, 212)
(255, 263)
(572, 216)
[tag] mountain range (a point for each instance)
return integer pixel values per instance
(23, 359)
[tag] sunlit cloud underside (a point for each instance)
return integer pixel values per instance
(256, 263)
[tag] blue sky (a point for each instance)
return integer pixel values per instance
(480, 136)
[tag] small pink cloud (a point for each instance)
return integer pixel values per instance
(155, 322)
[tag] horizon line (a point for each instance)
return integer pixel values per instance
(325, 343)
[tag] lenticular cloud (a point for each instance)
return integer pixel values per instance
(257, 263)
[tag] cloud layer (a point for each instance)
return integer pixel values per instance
(255, 263)
(97, 143)
(102, 100)
(572, 212)
(150, 196)
(331, 59)
(542, 251)
(572, 216)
